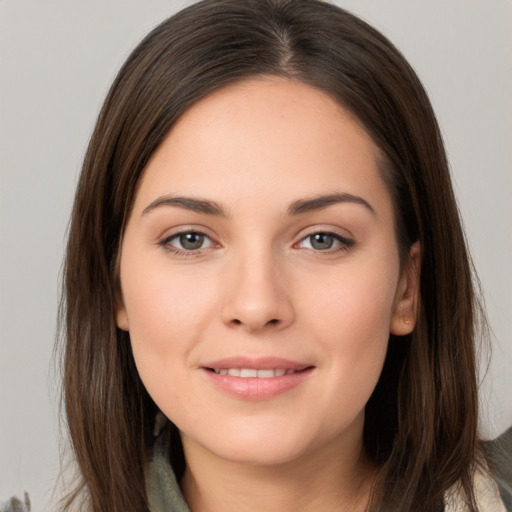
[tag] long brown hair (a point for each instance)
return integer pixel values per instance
(421, 421)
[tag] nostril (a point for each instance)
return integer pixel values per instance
(274, 321)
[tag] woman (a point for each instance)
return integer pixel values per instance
(268, 299)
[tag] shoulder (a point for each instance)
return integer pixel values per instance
(16, 505)
(164, 494)
(499, 456)
(493, 486)
(487, 494)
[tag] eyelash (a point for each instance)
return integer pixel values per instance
(345, 244)
(166, 243)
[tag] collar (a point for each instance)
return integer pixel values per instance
(164, 493)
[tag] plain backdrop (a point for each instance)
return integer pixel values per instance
(57, 59)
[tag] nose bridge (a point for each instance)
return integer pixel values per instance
(257, 293)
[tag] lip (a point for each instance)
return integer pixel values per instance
(256, 388)
(259, 363)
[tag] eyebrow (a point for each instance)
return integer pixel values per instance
(321, 202)
(189, 203)
(298, 207)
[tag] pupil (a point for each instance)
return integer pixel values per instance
(322, 241)
(191, 241)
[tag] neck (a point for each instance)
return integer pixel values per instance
(325, 479)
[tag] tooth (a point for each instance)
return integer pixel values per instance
(245, 372)
(252, 372)
(265, 374)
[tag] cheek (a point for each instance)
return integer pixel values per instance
(163, 303)
(355, 304)
(167, 313)
(352, 319)
(162, 336)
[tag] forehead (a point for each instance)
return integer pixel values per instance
(264, 135)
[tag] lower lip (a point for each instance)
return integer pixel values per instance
(254, 388)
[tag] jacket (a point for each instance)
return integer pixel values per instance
(165, 495)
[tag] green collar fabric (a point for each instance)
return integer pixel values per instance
(164, 493)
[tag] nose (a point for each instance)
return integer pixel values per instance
(257, 295)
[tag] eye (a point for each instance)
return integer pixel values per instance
(325, 241)
(187, 241)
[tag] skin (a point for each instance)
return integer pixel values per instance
(259, 287)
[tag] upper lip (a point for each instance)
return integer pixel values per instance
(259, 363)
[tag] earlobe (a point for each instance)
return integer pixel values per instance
(122, 319)
(121, 315)
(405, 307)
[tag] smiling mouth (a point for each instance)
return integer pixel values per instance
(245, 373)
(256, 379)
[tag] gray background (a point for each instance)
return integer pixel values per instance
(57, 58)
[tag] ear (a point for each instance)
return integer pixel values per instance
(121, 315)
(405, 307)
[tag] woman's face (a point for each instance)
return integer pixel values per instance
(260, 274)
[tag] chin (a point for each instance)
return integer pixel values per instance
(264, 443)
(260, 452)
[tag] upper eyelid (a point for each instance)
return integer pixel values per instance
(177, 234)
(340, 238)
(304, 233)
(165, 243)
(346, 240)
(339, 232)
(180, 230)
(186, 231)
